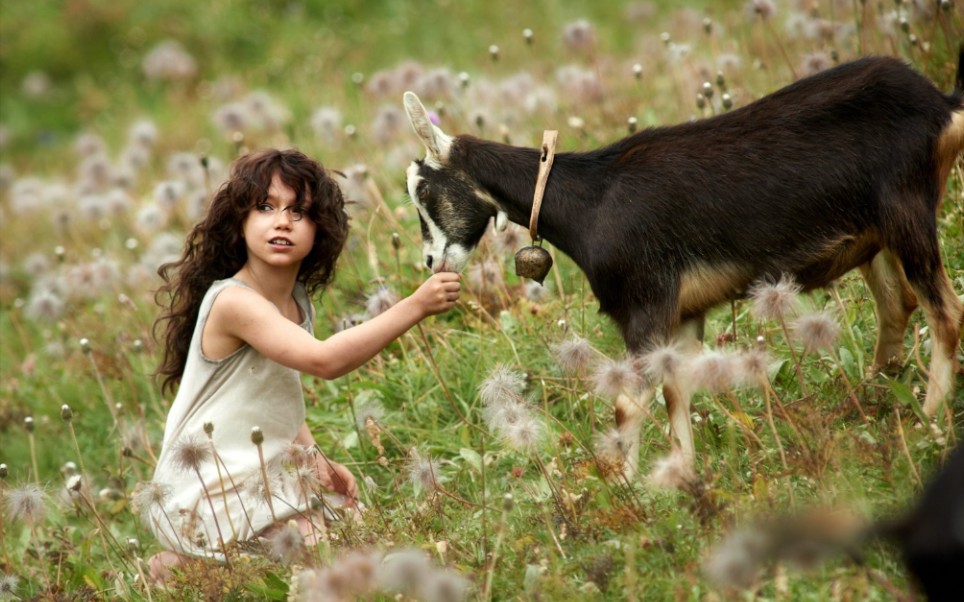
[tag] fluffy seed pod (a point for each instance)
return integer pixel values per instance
(257, 437)
(66, 413)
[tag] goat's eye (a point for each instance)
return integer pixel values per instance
(422, 191)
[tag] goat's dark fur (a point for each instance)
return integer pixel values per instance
(841, 170)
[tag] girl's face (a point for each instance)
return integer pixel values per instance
(275, 232)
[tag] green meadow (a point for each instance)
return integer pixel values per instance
(118, 121)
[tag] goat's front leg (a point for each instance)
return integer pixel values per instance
(677, 394)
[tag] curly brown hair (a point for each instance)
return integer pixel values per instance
(215, 248)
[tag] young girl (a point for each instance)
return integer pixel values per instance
(238, 333)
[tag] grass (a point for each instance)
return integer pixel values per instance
(568, 531)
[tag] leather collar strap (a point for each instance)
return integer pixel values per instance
(549, 138)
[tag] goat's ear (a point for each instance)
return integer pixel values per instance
(501, 221)
(436, 141)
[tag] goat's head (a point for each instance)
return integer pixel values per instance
(453, 209)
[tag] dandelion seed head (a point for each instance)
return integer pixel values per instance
(484, 276)
(574, 354)
(149, 495)
(817, 332)
(370, 409)
(752, 366)
(735, 563)
(612, 378)
(287, 544)
(380, 301)
(502, 386)
(26, 503)
(295, 454)
(663, 362)
(402, 572)
(525, 435)
(168, 60)
(772, 301)
(671, 472)
(444, 586)
(257, 435)
(712, 371)
(504, 416)
(579, 36)
(45, 305)
(422, 472)
(189, 452)
(611, 445)
(763, 9)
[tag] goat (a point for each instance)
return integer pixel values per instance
(843, 169)
(929, 536)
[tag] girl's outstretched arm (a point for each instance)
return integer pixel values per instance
(244, 315)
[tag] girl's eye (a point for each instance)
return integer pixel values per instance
(264, 207)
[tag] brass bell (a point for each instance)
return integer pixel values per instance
(533, 262)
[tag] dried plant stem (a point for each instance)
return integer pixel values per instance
(224, 495)
(441, 381)
(73, 437)
(776, 436)
(33, 457)
(140, 573)
(217, 525)
(850, 388)
(40, 555)
(267, 485)
(905, 450)
(108, 399)
(490, 571)
(796, 360)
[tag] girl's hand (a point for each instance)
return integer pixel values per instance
(336, 477)
(439, 293)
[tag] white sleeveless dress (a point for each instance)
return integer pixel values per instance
(234, 394)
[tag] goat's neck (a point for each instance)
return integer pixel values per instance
(508, 174)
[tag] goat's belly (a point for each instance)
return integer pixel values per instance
(835, 258)
(704, 285)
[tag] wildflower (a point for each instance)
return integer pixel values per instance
(527, 36)
(663, 362)
(189, 453)
(88, 144)
(671, 472)
(44, 305)
(612, 445)
(422, 472)
(326, 123)
(484, 275)
(771, 301)
(573, 354)
(380, 301)
(494, 53)
(501, 386)
(736, 561)
(232, 117)
(503, 416)
(752, 367)
(814, 63)
(613, 378)
(387, 124)
(26, 504)
(66, 414)
(8, 586)
(816, 331)
(524, 435)
(148, 495)
(142, 133)
(168, 61)
(579, 36)
(369, 409)
(444, 586)
(287, 544)
(764, 9)
(712, 371)
(536, 292)
(403, 571)
(257, 436)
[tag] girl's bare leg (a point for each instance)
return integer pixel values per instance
(160, 565)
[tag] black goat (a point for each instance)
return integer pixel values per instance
(840, 170)
(929, 536)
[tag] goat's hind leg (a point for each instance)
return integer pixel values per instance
(895, 302)
(920, 255)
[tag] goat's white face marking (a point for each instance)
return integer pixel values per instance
(453, 209)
